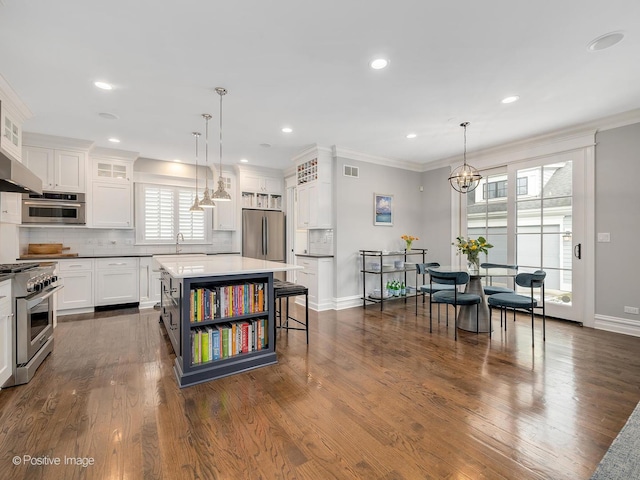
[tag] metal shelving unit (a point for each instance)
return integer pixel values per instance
(367, 257)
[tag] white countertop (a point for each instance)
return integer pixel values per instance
(217, 265)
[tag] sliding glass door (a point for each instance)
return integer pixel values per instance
(533, 214)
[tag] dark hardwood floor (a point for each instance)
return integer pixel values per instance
(373, 396)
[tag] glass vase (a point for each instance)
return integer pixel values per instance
(473, 264)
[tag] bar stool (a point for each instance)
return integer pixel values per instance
(283, 289)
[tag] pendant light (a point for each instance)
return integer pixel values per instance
(465, 178)
(221, 195)
(206, 201)
(196, 203)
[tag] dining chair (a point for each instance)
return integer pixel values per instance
(493, 289)
(452, 296)
(528, 303)
(422, 269)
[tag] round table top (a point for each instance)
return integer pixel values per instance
(482, 272)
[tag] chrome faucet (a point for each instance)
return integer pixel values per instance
(178, 237)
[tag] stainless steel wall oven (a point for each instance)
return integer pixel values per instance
(54, 208)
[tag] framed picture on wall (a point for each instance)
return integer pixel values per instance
(383, 209)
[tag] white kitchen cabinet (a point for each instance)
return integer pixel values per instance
(261, 190)
(117, 281)
(6, 334)
(77, 278)
(60, 170)
(149, 283)
(317, 276)
(112, 170)
(111, 200)
(314, 191)
(111, 205)
(225, 212)
(259, 183)
(10, 208)
(11, 134)
(314, 205)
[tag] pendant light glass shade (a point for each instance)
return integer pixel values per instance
(465, 178)
(206, 201)
(221, 194)
(196, 203)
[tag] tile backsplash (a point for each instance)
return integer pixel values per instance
(321, 241)
(91, 241)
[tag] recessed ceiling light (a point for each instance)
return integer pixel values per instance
(244, 160)
(265, 145)
(108, 116)
(511, 99)
(605, 41)
(114, 140)
(411, 135)
(103, 85)
(176, 160)
(287, 129)
(379, 63)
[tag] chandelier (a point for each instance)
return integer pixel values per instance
(221, 195)
(206, 201)
(465, 178)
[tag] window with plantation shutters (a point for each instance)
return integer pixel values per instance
(163, 211)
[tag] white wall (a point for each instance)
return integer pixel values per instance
(355, 229)
(617, 199)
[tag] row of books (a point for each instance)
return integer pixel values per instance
(216, 342)
(227, 301)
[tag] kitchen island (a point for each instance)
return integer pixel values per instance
(219, 314)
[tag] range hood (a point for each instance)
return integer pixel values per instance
(15, 177)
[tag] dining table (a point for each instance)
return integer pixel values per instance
(467, 313)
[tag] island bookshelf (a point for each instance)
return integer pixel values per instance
(238, 308)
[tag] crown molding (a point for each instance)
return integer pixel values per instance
(558, 141)
(105, 152)
(310, 152)
(15, 104)
(365, 157)
(52, 141)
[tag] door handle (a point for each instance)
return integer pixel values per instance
(577, 251)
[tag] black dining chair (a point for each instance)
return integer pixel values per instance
(428, 288)
(528, 303)
(493, 289)
(452, 296)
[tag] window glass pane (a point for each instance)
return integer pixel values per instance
(557, 214)
(529, 250)
(557, 179)
(529, 216)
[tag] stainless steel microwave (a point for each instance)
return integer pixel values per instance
(54, 208)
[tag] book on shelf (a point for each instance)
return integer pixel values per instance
(216, 342)
(227, 301)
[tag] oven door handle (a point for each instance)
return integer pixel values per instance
(32, 302)
(53, 204)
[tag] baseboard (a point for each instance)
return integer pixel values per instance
(348, 302)
(617, 325)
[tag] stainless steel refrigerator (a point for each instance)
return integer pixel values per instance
(263, 234)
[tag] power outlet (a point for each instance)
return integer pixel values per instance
(633, 310)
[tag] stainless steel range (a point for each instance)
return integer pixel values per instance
(33, 287)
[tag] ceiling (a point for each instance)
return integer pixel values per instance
(304, 64)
